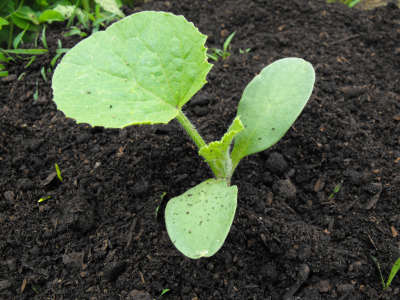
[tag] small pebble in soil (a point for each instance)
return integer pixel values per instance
(276, 164)
(113, 270)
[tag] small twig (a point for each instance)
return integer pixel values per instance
(131, 232)
(345, 39)
(372, 241)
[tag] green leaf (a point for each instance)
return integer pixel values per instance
(58, 173)
(198, 221)
(24, 16)
(141, 70)
(36, 94)
(393, 272)
(21, 76)
(18, 38)
(26, 51)
(50, 16)
(44, 199)
(73, 31)
(228, 41)
(164, 291)
(3, 73)
(379, 270)
(271, 103)
(218, 152)
(43, 38)
(43, 72)
(30, 62)
(3, 22)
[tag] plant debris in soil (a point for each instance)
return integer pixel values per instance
(294, 236)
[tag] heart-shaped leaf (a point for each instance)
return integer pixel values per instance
(198, 221)
(271, 103)
(141, 70)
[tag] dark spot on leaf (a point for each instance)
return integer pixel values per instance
(273, 129)
(187, 212)
(110, 106)
(189, 195)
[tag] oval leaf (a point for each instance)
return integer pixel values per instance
(271, 103)
(141, 70)
(3, 22)
(50, 16)
(198, 221)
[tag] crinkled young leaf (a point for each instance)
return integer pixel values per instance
(198, 221)
(271, 103)
(219, 151)
(141, 70)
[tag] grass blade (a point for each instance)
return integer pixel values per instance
(228, 41)
(43, 72)
(31, 61)
(393, 272)
(379, 269)
(19, 37)
(26, 51)
(44, 37)
(58, 173)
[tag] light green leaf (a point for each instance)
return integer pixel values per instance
(50, 16)
(30, 62)
(3, 22)
(110, 6)
(218, 152)
(18, 38)
(228, 41)
(141, 70)
(198, 221)
(26, 51)
(24, 16)
(271, 103)
(393, 272)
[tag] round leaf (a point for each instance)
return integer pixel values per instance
(198, 221)
(141, 70)
(271, 103)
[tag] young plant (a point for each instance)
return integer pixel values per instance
(336, 189)
(349, 3)
(244, 51)
(222, 53)
(393, 272)
(142, 70)
(58, 173)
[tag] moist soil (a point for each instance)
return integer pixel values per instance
(102, 233)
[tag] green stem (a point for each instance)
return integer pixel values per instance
(196, 137)
(11, 33)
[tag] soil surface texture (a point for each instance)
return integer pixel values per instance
(293, 236)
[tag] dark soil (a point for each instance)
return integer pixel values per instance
(98, 236)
